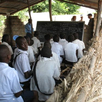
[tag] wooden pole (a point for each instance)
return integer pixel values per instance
(50, 10)
(30, 16)
(98, 18)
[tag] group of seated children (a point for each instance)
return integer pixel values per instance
(35, 70)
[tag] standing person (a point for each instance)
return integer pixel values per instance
(63, 40)
(57, 48)
(73, 18)
(10, 89)
(71, 51)
(21, 62)
(81, 18)
(28, 28)
(80, 44)
(90, 26)
(36, 43)
(91, 20)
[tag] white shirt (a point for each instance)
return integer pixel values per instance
(22, 64)
(5, 43)
(46, 71)
(36, 43)
(31, 54)
(63, 42)
(9, 84)
(58, 49)
(70, 52)
(56, 59)
(81, 47)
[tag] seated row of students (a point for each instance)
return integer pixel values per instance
(70, 50)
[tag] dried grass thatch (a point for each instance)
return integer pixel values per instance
(84, 83)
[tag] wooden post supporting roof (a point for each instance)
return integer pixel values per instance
(50, 10)
(30, 16)
(98, 18)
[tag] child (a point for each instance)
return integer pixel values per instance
(6, 41)
(46, 71)
(63, 40)
(80, 44)
(30, 51)
(21, 61)
(36, 43)
(57, 48)
(71, 51)
(10, 88)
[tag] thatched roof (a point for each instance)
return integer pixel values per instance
(12, 6)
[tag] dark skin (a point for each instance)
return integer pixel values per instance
(5, 57)
(24, 46)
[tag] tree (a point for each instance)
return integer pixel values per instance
(58, 7)
(22, 15)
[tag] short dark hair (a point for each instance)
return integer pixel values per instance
(4, 51)
(89, 14)
(19, 40)
(47, 37)
(5, 37)
(56, 38)
(70, 38)
(75, 35)
(62, 36)
(36, 34)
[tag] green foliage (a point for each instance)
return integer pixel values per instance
(58, 8)
(2, 20)
(22, 15)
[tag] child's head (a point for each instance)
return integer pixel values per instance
(70, 38)
(22, 43)
(6, 38)
(75, 35)
(56, 38)
(62, 36)
(5, 54)
(46, 52)
(47, 37)
(36, 34)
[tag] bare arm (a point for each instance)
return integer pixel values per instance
(77, 53)
(18, 94)
(28, 74)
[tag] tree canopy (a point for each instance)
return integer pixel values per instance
(58, 8)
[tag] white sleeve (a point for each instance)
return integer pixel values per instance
(62, 51)
(77, 47)
(56, 72)
(83, 45)
(16, 87)
(38, 44)
(25, 63)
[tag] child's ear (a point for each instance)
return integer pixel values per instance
(9, 57)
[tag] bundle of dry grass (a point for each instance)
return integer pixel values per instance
(84, 83)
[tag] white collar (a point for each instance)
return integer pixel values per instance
(45, 58)
(21, 51)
